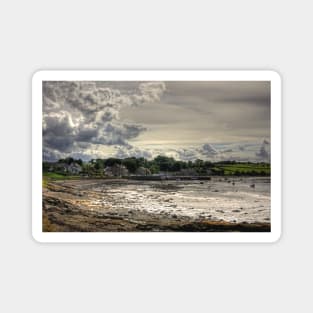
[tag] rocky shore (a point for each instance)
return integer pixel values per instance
(74, 207)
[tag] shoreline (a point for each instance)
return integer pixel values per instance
(72, 209)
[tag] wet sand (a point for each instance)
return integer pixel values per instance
(90, 205)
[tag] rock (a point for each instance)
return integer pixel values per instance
(236, 211)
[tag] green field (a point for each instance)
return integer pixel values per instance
(243, 169)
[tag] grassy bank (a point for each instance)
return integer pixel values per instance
(244, 169)
(49, 176)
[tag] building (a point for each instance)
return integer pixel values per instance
(142, 171)
(116, 170)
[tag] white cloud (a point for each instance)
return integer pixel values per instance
(76, 112)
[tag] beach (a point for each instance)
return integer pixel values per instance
(115, 205)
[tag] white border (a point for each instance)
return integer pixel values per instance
(271, 76)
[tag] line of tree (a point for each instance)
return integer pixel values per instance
(157, 165)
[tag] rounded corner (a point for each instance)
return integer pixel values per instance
(276, 237)
(276, 76)
(36, 237)
(37, 75)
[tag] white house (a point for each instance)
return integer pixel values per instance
(116, 170)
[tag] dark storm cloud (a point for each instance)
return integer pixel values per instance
(89, 113)
(58, 131)
(86, 134)
(186, 120)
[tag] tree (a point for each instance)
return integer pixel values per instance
(131, 164)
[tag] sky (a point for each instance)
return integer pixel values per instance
(187, 120)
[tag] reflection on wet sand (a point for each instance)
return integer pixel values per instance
(128, 205)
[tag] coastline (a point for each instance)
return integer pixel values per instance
(73, 209)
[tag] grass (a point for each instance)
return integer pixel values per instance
(244, 169)
(57, 176)
(47, 176)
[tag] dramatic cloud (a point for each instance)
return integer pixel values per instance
(264, 152)
(185, 120)
(208, 150)
(89, 113)
(186, 154)
(124, 152)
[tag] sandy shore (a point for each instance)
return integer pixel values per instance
(73, 206)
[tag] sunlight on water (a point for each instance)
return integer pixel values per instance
(229, 199)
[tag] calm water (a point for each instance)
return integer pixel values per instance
(233, 199)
